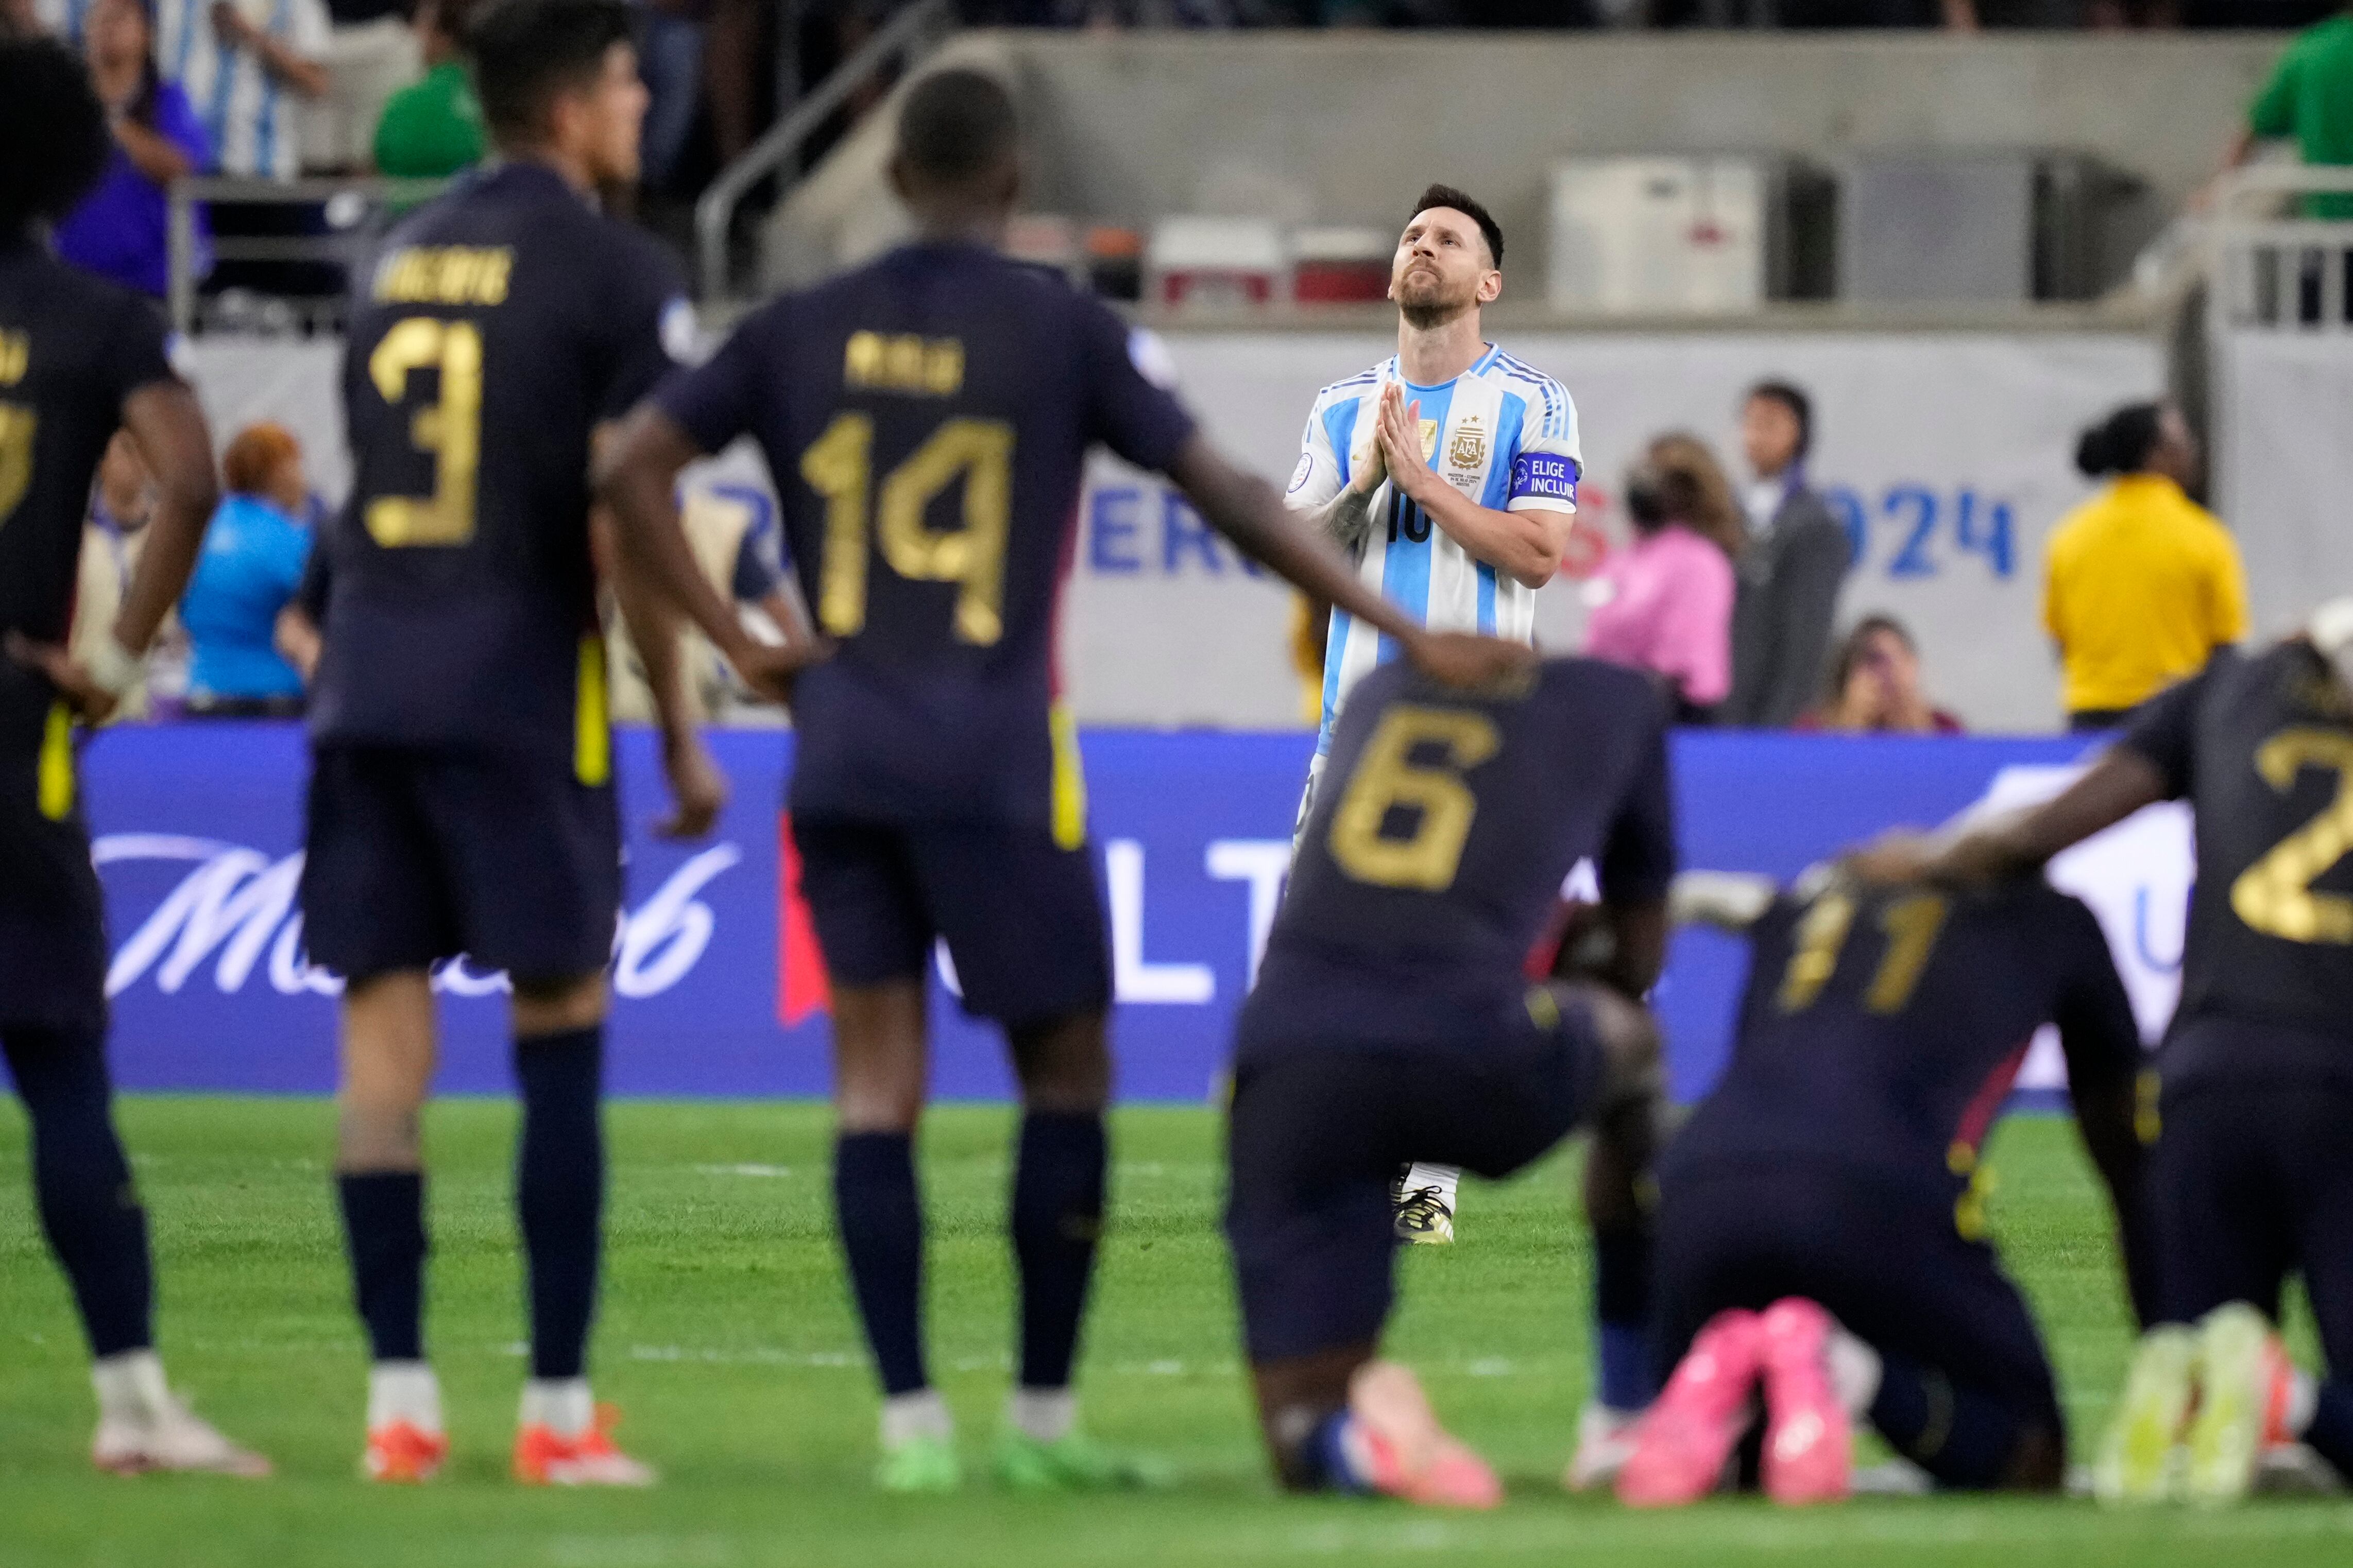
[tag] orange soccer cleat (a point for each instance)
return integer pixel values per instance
(403, 1452)
(543, 1457)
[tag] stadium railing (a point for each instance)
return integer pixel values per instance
(907, 39)
(352, 212)
(2275, 270)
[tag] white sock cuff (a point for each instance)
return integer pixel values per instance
(562, 1405)
(2302, 1401)
(404, 1391)
(129, 1385)
(1045, 1415)
(922, 1414)
(1855, 1369)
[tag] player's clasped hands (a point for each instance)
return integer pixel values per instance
(1397, 437)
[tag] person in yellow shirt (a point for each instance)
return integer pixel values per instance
(2141, 583)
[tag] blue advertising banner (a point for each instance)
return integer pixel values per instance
(718, 990)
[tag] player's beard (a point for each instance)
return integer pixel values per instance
(1425, 301)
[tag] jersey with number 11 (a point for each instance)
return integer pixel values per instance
(498, 328)
(926, 418)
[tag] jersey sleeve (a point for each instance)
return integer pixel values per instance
(1550, 459)
(651, 327)
(1638, 861)
(2096, 1028)
(1323, 472)
(310, 593)
(1130, 405)
(2165, 729)
(718, 400)
(2272, 114)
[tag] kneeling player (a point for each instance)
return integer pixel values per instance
(1432, 858)
(1821, 1228)
(2252, 1174)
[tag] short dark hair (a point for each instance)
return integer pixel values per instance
(956, 126)
(53, 137)
(2121, 443)
(1802, 409)
(1468, 206)
(528, 53)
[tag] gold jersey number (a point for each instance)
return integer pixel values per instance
(1912, 925)
(1387, 779)
(839, 466)
(2274, 895)
(451, 429)
(18, 426)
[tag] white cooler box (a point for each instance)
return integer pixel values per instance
(1661, 235)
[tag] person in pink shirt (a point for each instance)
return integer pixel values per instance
(1664, 603)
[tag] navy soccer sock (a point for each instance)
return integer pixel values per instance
(1621, 1308)
(1960, 1435)
(882, 1220)
(560, 1191)
(384, 1229)
(89, 1207)
(1058, 1206)
(2330, 1434)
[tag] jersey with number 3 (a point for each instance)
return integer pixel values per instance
(498, 326)
(2262, 747)
(1883, 1029)
(1441, 837)
(926, 418)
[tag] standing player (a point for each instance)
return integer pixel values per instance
(79, 360)
(462, 796)
(1423, 878)
(2253, 1176)
(925, 418)
(1820, 1221)
(1450, 472)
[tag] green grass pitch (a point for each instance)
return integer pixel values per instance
(727, 1337)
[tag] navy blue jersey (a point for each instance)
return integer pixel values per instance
(2262, 747)
(1881, 1028)
(72, 348)
(1443, 828)
(925, 419)
(500, 325)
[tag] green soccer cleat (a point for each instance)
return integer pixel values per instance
(2242, 1374)
(2136, 1457)
(1074, 1463)
(921, 1465)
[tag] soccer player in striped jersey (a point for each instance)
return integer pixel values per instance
(1450, 472)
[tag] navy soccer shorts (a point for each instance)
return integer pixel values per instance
(1889, 1263)
(1318, 1132)
(52, 920)
(2250, 1183)
(416, 856)
(1021, 916)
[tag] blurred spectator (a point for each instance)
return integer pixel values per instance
(432, 128)
(1311, 633)
(371, 53)
(122, 229)
(250, 66)
(2308, 101)
(670, 36)
(738, 543)
(1795, 558)
(2141, 584)
(1875, 686)
(1664, 604)
(111, 538)
(251, 565)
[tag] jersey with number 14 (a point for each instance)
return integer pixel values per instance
(1437, 846)
(926, 418)
(1501, 432)
(500, 325)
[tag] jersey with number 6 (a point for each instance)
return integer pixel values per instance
(2262, 747)
(498, 326)
(1883, 1029)
(1445, 825)
(925, 418)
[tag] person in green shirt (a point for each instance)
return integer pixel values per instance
(2308, 101)
(432, 129)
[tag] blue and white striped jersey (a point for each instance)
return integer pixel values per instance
(1503, 433)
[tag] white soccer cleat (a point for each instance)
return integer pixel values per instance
(1424, 1196)
(169, 1437)
(1605, 1441)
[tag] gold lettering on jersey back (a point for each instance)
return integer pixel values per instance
(2274, 895)
(445, 275)
(902, 361)
(1388, 778)
(16, 357)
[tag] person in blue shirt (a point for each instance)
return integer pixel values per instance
(252, 563)
(122, 230)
